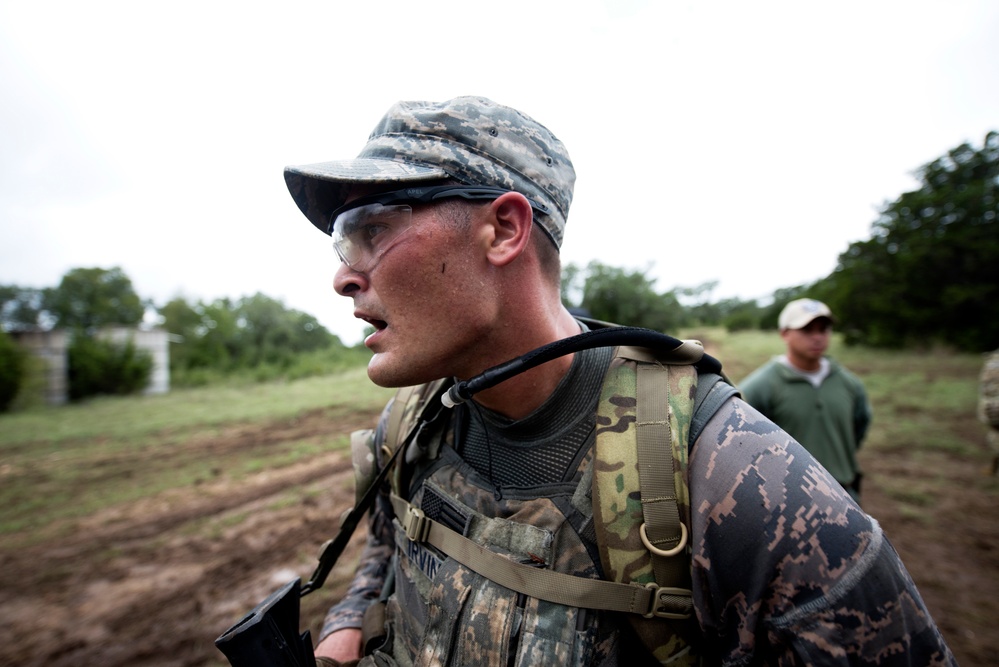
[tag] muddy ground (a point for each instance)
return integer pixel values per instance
(155, 582)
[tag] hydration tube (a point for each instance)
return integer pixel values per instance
(609, 337)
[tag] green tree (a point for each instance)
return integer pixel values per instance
(180, 320)
(88, 299)
(928, 274)
(738, 315)
(272, 333)
(214, 341)
(21, 308)
(733, 313)
(85, 301)
(226, 335)
(700, 309)
(101, 367)
(623, 296)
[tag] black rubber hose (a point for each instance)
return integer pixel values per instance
(609, 337)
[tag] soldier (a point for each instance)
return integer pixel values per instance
(448, 227)
(988, 405)
(817, 401)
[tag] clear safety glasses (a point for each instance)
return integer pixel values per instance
(366, 228)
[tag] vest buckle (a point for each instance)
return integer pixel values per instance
(416, 524)
(669, 602)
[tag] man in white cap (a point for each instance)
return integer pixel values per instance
(816, 400)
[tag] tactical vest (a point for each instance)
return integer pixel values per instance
(543, 577)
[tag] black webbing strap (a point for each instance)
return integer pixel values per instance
(332, 549)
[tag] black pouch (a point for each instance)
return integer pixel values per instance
(268, 636)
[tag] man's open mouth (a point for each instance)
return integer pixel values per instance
(377, 324)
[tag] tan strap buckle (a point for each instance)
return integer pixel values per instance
(416, 524)
(664, 602)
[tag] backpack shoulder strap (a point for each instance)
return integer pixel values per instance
(639, 483)
(410, 406)
(407, 406)
(372, 448)
(712, 391)
(641, 504)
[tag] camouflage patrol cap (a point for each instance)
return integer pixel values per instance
(471, 140)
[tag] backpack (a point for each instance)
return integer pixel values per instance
(641, 506)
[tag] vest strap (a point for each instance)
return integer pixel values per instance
(661, 531)
(650, 601)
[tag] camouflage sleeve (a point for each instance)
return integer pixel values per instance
(787, 569)
(988, 391)
(374, 562)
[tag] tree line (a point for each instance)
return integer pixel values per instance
(256, 336)
(927, 276)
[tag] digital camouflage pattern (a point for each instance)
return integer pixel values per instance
(372, 569)
(362, 458)
(988, 403)
(786, 568)
(444, 613)
(469, 139)
(988, 396)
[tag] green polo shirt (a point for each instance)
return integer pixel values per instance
(830, 421)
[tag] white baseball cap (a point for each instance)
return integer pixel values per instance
(799, 313)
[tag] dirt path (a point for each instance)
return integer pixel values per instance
(154, 582)
(950, 545)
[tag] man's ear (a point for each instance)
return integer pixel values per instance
(509, 228)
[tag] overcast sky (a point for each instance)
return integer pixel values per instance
(744, 142)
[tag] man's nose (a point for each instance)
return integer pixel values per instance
(347, 281)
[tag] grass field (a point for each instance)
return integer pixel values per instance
(97, 445)
(134, 530)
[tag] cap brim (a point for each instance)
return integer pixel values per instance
(804, 321)
(321, 188)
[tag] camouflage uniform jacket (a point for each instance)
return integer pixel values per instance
(786, 568)
(988, 398)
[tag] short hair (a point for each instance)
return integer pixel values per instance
(548, 257)
(456, 214)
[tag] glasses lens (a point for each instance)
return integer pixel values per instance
(362, 235)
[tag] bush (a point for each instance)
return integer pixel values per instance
(102, 367)
(328, 361)
(741, 321)
(12, 359)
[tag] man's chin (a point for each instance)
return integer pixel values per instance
(389, 372)
(386, 373)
